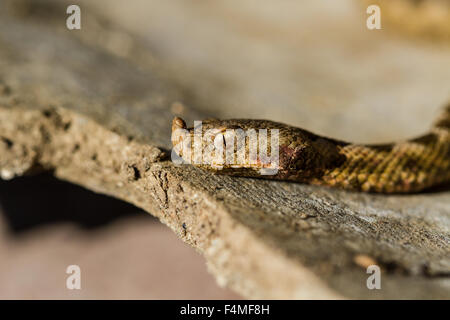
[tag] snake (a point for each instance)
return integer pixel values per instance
(407, 166)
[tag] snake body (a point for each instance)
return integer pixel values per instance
(407, 166)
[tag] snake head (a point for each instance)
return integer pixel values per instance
(235, 147)
(251, 148)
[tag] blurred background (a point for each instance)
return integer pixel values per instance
(123, 253)
(313, 64)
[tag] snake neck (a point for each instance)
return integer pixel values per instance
(409, 166)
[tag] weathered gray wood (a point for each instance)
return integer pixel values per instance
(73, 105)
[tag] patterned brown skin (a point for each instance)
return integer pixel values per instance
(404, 167)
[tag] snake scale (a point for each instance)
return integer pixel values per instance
(403, 167)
